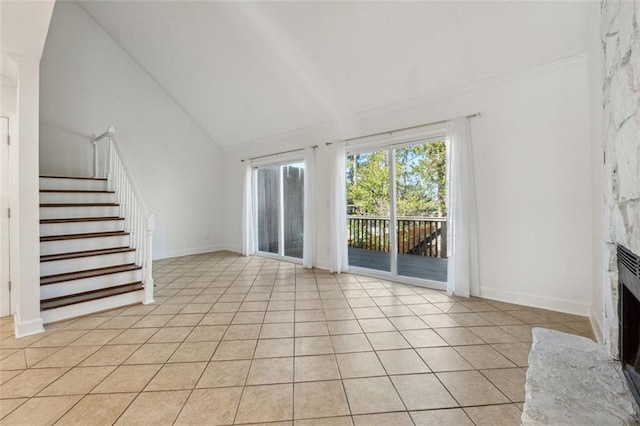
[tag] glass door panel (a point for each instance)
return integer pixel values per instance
(293, 202)
(268, 206)
(406, 185)
(280, 209)
(421, 211)
(368, 210)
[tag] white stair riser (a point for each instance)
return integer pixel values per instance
(66, 288)
(77, 197)
(68, 228)
(89, 262)
(83, 244)
(85, 308)
(82, 184)
(79, 211)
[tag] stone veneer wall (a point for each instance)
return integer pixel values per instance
(620, 37)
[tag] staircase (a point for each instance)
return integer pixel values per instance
(94, 237)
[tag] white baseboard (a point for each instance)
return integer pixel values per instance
(188, 251)
(535, 301)
(27, 328)
(234, 249)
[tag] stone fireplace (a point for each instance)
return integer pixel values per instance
(629, 317)
(620, 39)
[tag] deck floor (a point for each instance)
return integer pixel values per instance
(429, 268)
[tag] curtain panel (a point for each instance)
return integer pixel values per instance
(338, 255)
(248, 224)
(462, 221)
(309, 232)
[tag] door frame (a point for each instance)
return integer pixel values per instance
(390, 146)
(6, 180)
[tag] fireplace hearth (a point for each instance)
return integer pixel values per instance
(629, 317)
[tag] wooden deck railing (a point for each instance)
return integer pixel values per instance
(416, 235)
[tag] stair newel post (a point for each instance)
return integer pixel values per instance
(141, 237)
(148, 263)
(108, 172)
(125, 206)
(95, 158)
(135, 229)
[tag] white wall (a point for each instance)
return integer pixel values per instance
(533, 170)
(8, 101)
(90, 82)
(23, 30)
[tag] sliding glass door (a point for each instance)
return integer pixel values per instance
(396, 210)
(280, 209)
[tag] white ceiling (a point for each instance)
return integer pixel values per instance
(250, 70)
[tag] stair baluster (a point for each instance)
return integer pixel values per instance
(111, 165)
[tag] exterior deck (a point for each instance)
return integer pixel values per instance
(409, 265)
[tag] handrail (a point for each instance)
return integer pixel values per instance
(430, 219)
(417, 236)
(110, 164)
(134, 185)
(102, 136)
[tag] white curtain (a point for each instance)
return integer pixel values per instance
(462, 220)
(309, 244)
(339, 261)
(248, 231)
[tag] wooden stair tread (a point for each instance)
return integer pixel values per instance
(72, 177)
(88, 273)
(87, 296)
(86, 235)
(82, 191)
(81, 219)
(79, 205)
(87, 253)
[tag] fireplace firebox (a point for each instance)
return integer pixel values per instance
(629, 317)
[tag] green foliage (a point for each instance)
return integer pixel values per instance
(421, 181)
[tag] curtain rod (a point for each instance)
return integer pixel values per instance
(278, 153)
(389, 132)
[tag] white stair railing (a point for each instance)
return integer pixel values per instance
(110, 164)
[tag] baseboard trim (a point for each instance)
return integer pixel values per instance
(535, 301)
(234, 249)
(188, 251)
(27, 328)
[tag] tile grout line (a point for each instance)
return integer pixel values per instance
(191, 285)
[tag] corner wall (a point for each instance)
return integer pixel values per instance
(620, 37)
(596, 78)
(89, 82)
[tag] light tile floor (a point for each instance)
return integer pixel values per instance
(235, 340)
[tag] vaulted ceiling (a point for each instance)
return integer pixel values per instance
(246, 71)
